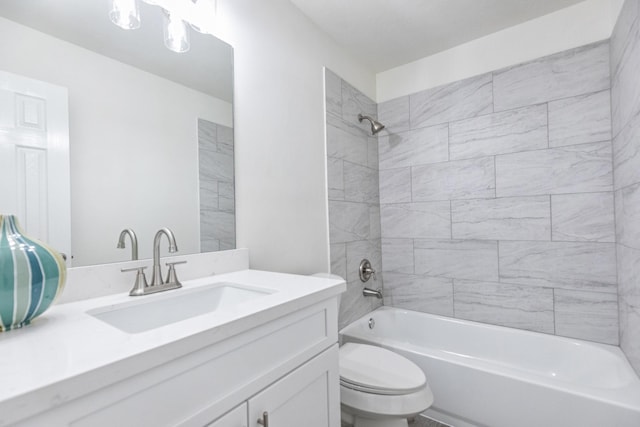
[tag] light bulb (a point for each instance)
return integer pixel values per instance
(176, 33)
(125, 13)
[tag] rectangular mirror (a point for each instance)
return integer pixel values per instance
(150, 131)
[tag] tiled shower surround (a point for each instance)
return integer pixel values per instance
(625, 96)
(217, 201)
(354, 202)
(497, 198)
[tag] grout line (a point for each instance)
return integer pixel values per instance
(548, 131)
(451, 218)
(553, 295)
(551, 218)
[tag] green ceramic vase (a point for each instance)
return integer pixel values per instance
(32, 275)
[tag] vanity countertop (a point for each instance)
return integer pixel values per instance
(67, 353)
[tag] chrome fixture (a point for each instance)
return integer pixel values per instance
(176, 18)
(141, 287)
(376, 126)
(156, 279)
(264, 420)
(367, 292)
(366, 271)
(134, 242)
(372, 323)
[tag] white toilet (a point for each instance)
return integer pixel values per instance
(380, 388)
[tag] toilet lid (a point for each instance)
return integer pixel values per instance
(377, 370)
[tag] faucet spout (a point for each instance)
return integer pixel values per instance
(134, 242)
(156, 279)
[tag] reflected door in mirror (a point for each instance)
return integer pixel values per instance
(34, 158)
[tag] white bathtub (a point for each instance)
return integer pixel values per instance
(491, 376)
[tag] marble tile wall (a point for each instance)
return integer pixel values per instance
(353, 191)
(497, 197)
(625, 107)
(217, 198)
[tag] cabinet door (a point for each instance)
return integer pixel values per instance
(308, 396)
(235, 418)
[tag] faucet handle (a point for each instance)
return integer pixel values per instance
(172, 276)
(141, 281)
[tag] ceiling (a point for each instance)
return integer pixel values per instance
(384, 34)
(206, 67)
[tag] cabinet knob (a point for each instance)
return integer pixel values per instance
(264, 421)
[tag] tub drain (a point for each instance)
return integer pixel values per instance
(372, 323)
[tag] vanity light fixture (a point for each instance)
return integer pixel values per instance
(125, 13)
(177, 17)
(176, 33)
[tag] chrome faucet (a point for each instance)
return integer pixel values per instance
(141, 287)
(156, 279)
(134, 242)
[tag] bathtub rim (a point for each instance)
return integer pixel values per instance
(627, 397)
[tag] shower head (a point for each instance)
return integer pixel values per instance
(376, 126)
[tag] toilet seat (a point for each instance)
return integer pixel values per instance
(376, 370)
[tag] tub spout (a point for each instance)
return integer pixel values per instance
(367, 292)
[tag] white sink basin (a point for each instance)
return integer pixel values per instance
(152, 311)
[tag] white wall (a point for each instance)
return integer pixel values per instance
(279, 121)
(581, 24)
(133, 139)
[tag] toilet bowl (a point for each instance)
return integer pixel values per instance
(379, 388)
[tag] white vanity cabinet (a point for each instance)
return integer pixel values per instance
(287, 366)
(235, 418)
(305, 397)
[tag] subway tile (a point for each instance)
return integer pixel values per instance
(590, 316)
(372, 153)
(460, 179)
(335, 178)
(414, 147)
(621, 36)
(395, 185)
(511, 218)
(227, 245)
(572, 169)
(333, 92)
(218, 225)
(397, 255)
(394, 115)
(338, 256)
(511, 131)
(626, 154)
(460, 100)
(360, 184)
(355, 102)
(457, 259)
(578, 266)
(505, 305)
(580, 119)
(225, 136)
(226, 196)
(416, 220)
(348, 221)
(628, 216)
(583, 217)
(208, 195)
(209, 245)
(419, 293)
(346, 142)
(375, 230)
(215, 165)
(629, 303)
(570, 73)
(625, 89)
(207, 135)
